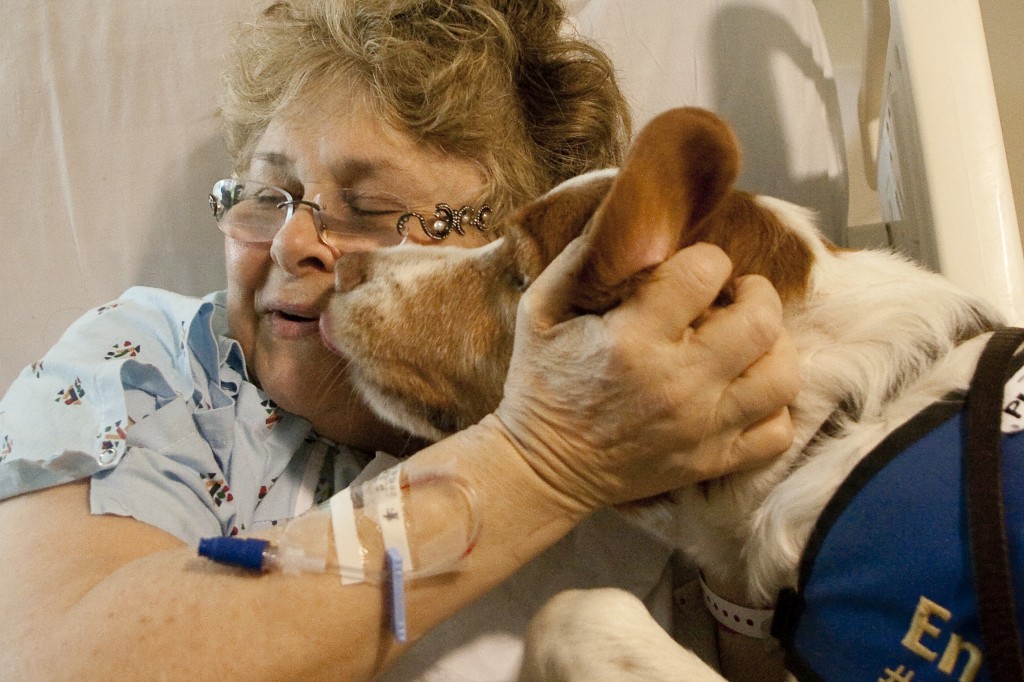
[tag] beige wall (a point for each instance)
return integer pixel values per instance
(1004, 24)
(843, 25)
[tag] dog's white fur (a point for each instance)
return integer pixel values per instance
(879, 339)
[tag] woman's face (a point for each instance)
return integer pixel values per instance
(277, 290)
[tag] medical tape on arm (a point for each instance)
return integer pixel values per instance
(346, 538)
(384, 501)
(303, 545)
(380, 500)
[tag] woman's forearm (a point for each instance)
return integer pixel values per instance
(138, 603)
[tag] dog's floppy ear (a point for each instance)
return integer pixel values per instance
(539, 231)
(675, 189)
(678, 170)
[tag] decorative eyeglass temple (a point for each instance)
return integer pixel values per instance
(446, 220)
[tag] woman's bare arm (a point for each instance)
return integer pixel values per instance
(104, 597)
(101, 597)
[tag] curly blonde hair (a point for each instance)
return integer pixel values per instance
(495, 81)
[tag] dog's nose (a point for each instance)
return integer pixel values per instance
(350, 270)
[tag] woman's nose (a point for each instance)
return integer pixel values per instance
(297, 246)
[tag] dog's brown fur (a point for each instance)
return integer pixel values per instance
(634, 221)
(429, 333)
(695, 146)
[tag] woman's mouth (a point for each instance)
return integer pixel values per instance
(291, 324)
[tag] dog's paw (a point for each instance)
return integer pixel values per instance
(605, 635)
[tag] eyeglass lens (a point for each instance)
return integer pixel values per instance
(346, 219)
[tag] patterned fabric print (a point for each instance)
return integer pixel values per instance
(72, 395)
(111, 437)
(123, 349)
(264, 489)
(65, 416)
(220, 493)
(273, 412)
(218, 488)
(149, 397)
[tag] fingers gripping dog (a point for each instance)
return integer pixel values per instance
(455, 362)
(879, 339)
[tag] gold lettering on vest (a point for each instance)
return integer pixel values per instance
(920, 626)
(952, 654)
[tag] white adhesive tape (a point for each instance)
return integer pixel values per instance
(382, 504)
(382, 499)
(346, 538)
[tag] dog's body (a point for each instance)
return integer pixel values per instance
(429, 332)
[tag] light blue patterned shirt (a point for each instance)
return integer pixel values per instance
(149, 397)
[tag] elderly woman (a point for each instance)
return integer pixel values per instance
(158, 419)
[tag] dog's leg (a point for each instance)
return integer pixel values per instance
(605, 635)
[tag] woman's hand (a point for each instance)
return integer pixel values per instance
(658, 393)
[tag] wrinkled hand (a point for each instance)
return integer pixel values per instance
(656, 394)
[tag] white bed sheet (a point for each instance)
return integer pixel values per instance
(763, 65)
(110, 140)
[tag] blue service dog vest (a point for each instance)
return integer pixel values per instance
(887, 588)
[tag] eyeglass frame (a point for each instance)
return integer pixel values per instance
(447, 219)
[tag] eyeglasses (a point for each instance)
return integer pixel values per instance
(347, 220)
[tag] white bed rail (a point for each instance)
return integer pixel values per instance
(930, 125)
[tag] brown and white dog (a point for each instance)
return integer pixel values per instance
(879, 339)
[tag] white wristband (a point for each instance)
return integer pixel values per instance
(755, 623)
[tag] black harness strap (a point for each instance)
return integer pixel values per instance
(997, 613)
